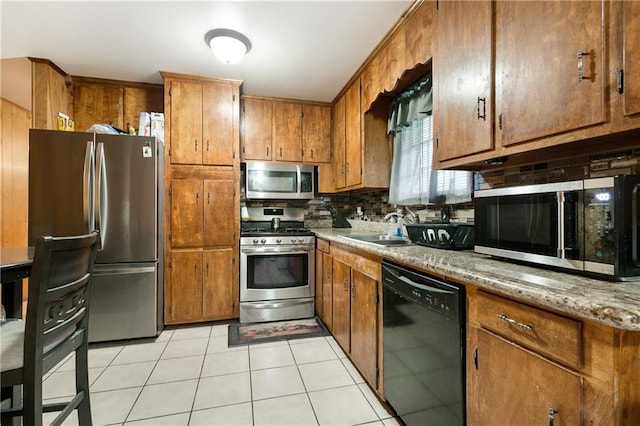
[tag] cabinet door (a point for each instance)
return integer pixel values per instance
(219, 291)
(185, 287)
(186, 213)
(353, 135)
(364, 325)
(327, 289)
(517, 387)
(631, 58)
(462, 75)
(256, 129)
(339, 140)
(341, 320)
(547, 86)
(219, 213)
(287, 131)
(392, 61)
(217, 124)
(186, 128)
(95, 103)
(316, 134)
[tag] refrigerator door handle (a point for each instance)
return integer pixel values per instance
(87, 188)
(101, 192)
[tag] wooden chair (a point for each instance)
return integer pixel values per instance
(56, 326)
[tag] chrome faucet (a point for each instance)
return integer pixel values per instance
(398, 214)
(411, 216)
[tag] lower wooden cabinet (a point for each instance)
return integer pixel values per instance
(202, 286)
(351, 302)
(528, 365)
(324, 290)
(516, 386)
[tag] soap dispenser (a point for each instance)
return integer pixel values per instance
(392, 227)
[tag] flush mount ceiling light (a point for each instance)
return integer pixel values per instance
(227, 45)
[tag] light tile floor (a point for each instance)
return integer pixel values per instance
(188, 376)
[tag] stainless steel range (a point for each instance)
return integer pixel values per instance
(277, 265)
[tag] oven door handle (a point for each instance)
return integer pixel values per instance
(634, 225)
(263, 305)
(278, 249)
(561, 243)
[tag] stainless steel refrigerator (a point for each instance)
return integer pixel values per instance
(79, 182)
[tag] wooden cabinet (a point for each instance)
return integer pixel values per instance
(550, 60)
(463, 79)
(630, 84)
(353, 135)
(316, 134)
(202, 286)
(282, 130)
(511, 377)
(526, 364)
(356, 310)
(51, 94)
(202, 214)
(361, 148)
(324, 280)
(119, 103)
(204, 132)
(257, 128)
(287, 131)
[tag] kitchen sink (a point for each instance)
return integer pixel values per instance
(380, 239)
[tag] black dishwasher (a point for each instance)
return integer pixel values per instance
(424, 347)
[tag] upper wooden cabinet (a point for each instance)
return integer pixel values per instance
(287, 131)
(316, 134)
(203, 128)
(283, 130)
(118, 103)
(565, 78)
(418, 36)
(463, 77)
(629, 76)
(361, 148)
(257, 129)
(550, 64)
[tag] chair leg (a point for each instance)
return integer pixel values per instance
(82, 385)
(14, 396)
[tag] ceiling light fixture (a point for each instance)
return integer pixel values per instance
(227, 45)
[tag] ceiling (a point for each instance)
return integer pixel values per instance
(300, 49)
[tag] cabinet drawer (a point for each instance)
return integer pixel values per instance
(555, 336)
(322, 245)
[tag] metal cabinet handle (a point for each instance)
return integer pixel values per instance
(267, 151)
(312, 153)
(482, 115)
(344, 284)
(195, 145)
(552, 413)
(511, 321)
(281, 152)
(581, 55)
(207, 145)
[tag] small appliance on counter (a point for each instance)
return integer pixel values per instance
(587, 225)
(445, 235)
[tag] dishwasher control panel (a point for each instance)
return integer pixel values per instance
(428, 291)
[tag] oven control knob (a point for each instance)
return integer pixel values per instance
(294, 240)
(255, 241)
(263, 241)
(278, 241)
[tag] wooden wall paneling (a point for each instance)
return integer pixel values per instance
(14, 157)
(98, 104)
(51, 95)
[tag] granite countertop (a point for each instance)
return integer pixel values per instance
(616, 304)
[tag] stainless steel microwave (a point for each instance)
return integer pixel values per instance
(278, 181)
(587, 225)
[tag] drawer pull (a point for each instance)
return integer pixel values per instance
(552, 413)
(511, 321)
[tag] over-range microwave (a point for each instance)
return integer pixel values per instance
(588, 225)
(278, 181)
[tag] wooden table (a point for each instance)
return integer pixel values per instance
(15, 265)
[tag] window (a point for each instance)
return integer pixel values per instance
(413, 180)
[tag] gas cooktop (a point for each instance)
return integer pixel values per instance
(256, 231)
